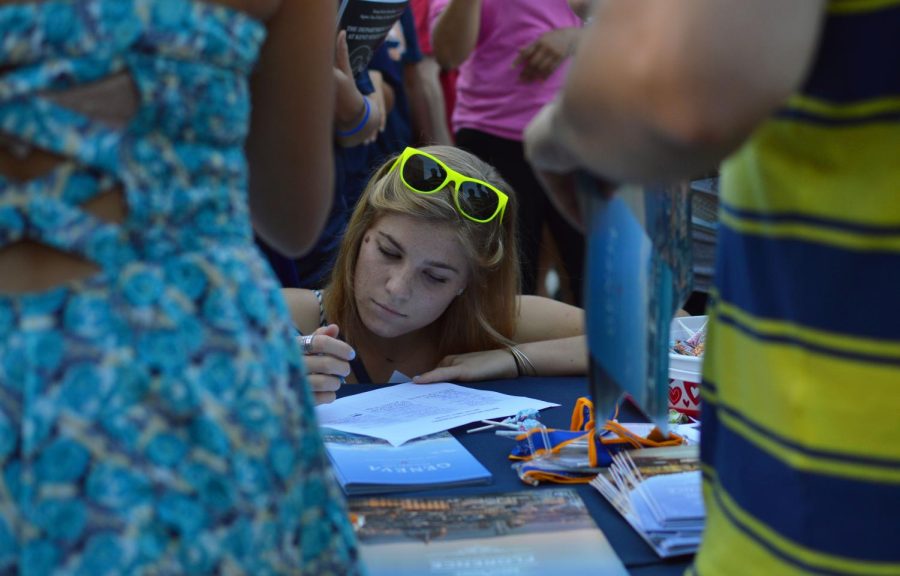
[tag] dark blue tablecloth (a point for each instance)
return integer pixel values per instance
(492, 451)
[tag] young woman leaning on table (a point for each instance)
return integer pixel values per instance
(426, 283)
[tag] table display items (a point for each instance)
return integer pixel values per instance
(658, 492)
(687, 341)
(577, 455)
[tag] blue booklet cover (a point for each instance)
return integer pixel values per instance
(638, 274)
(366, 465)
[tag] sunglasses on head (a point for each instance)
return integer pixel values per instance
(475, 199)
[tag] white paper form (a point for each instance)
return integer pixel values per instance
(406, 411)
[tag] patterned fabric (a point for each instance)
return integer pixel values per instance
(153, 416)
(801, 391)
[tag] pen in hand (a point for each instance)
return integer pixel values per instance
(327, 361)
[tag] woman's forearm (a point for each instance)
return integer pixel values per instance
(456, 32)
(562, 357)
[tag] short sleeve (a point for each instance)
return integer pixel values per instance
(436, 7)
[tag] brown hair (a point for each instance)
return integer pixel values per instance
(484, 315)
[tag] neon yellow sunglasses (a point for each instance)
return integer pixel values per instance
(475, 199)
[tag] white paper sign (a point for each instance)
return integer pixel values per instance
(406, 411)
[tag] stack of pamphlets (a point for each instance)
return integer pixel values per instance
(658, 491)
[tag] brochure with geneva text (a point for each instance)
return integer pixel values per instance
(366, 465)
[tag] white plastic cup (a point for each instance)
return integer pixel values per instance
(685, 372)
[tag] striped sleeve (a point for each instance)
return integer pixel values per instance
(801, 392)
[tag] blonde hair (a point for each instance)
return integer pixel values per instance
(484, 315)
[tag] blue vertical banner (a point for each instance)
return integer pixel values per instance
(638, 274)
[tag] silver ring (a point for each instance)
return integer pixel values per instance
(306, 343)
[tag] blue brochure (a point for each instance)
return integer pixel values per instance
(366, 465)
(638, 274)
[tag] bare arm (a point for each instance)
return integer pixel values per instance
(303, 307)
(662, 90)
(357, 118)
(426, 103)
(549, 332)
(455, 32)
(289, 145)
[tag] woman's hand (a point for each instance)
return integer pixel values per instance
(540, 59)
(327, 363)
(471, 367)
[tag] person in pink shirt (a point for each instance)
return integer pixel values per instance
(512, 56)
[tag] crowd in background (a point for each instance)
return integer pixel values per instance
(156, 398)
(475, 81)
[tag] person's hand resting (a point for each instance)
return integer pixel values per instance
(327, 363)
(471, 367)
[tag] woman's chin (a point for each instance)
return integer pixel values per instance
(379, 327)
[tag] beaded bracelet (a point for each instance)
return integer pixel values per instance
(362, 123)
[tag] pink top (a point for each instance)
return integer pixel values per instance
(490, 97)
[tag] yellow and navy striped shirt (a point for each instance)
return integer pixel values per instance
(801, 399)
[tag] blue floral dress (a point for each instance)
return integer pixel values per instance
(153, 416)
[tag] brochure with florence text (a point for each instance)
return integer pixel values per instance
(526, 533)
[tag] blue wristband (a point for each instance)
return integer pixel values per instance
(361, 125)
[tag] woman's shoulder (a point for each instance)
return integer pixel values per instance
(306, 308)
(533, 301)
